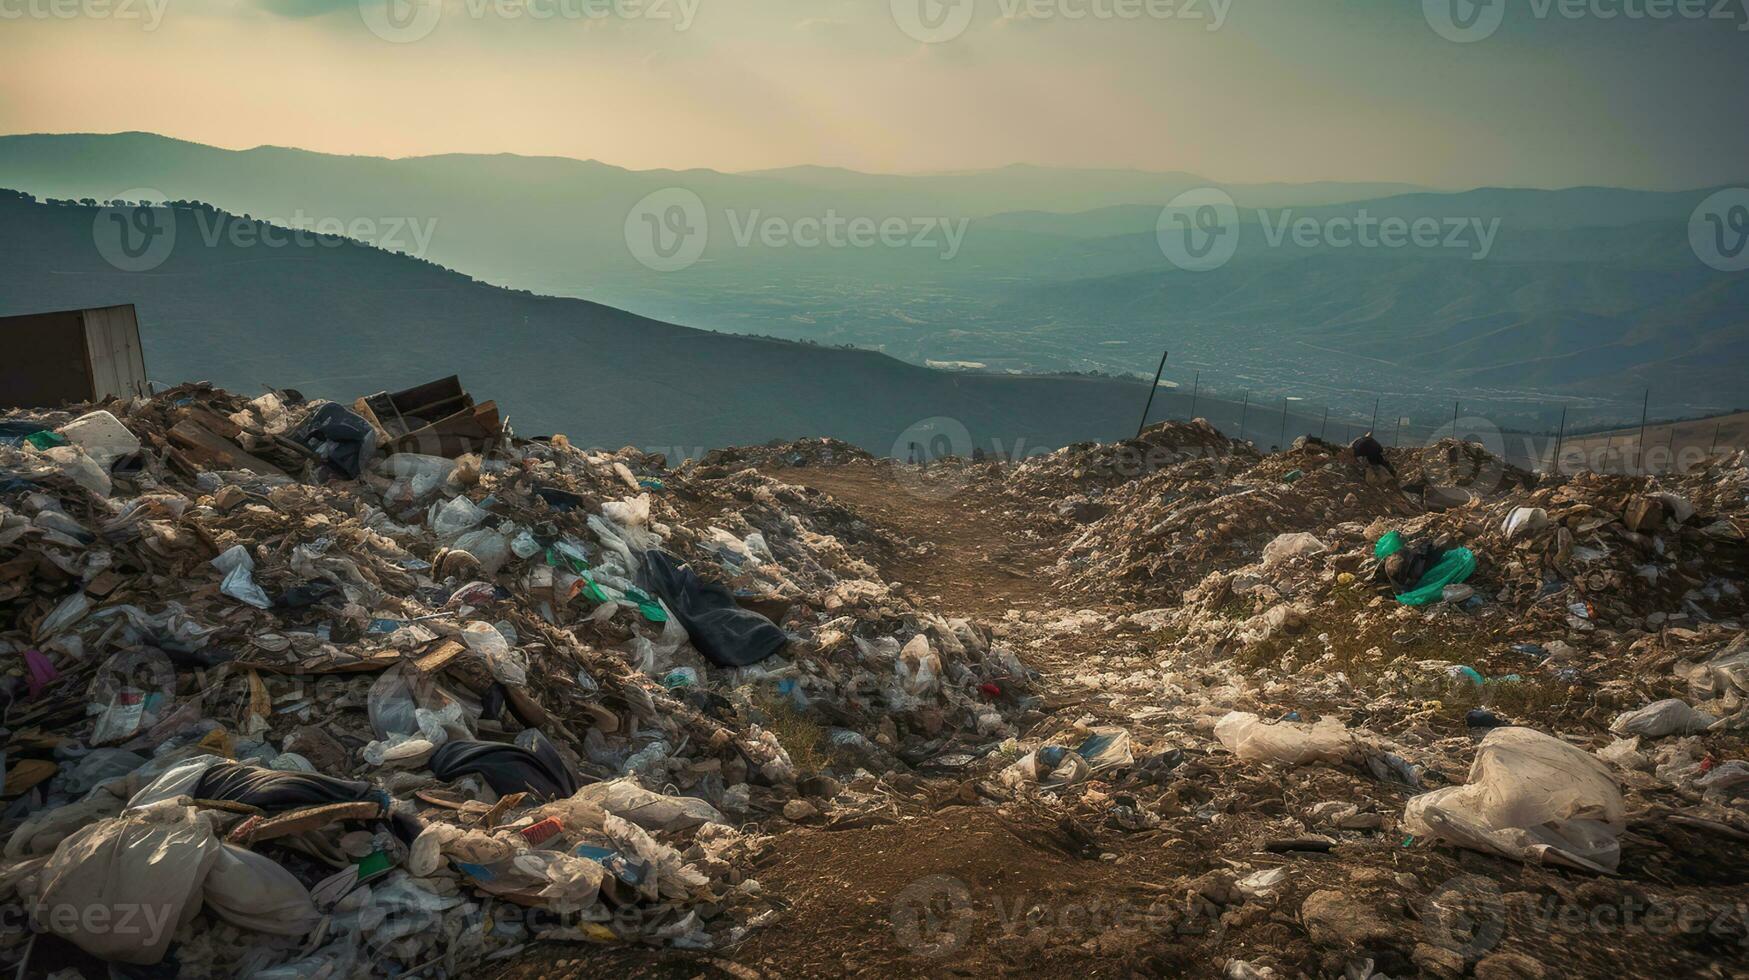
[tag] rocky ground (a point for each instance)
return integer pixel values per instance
(1132, 709)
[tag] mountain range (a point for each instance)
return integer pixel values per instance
(1581, 296)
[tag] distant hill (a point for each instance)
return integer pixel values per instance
(1585, 295)
(338, 319)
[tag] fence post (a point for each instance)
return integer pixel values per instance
(1644, 407)
(1560, 436)
(1151, 389)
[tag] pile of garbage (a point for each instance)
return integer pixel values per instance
(1166, 531)
(316, 690)
(778, 455)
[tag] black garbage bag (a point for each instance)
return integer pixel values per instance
(275, 791)
(728, 635)
(343, 439)
(534, 766)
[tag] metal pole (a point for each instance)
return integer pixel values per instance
(1644, 407)
(1397, 440)
(1195, 387)
(1715, 446)
(1151, 389)
(1281, 443)
(1244, 413)
(1454, 417)
(1375, 415)
(1560, 437)
(1670, 450)
(1324, 424)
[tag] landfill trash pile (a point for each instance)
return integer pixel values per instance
(777, 455)
(397, 692)
(326, 705)
(1164, 532)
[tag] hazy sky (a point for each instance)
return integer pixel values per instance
(1557, 94)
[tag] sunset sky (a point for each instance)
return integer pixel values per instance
(1288, 90)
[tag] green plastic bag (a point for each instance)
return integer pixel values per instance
(1455, 566)
(46, 439)
(1388, 545)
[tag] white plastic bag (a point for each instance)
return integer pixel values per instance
(1284, 742)
(1531, 797)
(1671, 716)
(1291, 546)
(238, 568)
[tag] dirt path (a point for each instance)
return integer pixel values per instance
(937, 885)
(976, 559)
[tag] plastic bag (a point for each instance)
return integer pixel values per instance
(508, 665)
(80, 468)
(1530, 797)
(1284, 743)
(238, 568)
(454, 517)
(423, 474)
(1292, 546)
(1454, 566)
(1671, 716)
(652, 811)
(1525, 519)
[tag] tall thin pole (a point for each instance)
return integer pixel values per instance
(1244, 413)
(1324, 424)
(1282, 441)
(1375, 416)
(1715, 446)
(1560, 437)
(1397, 440)
(1454, 417)
(1195, 387)
(1670, 450)
(1151, 389)
(1644, 407)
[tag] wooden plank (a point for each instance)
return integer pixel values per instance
(215, 452)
